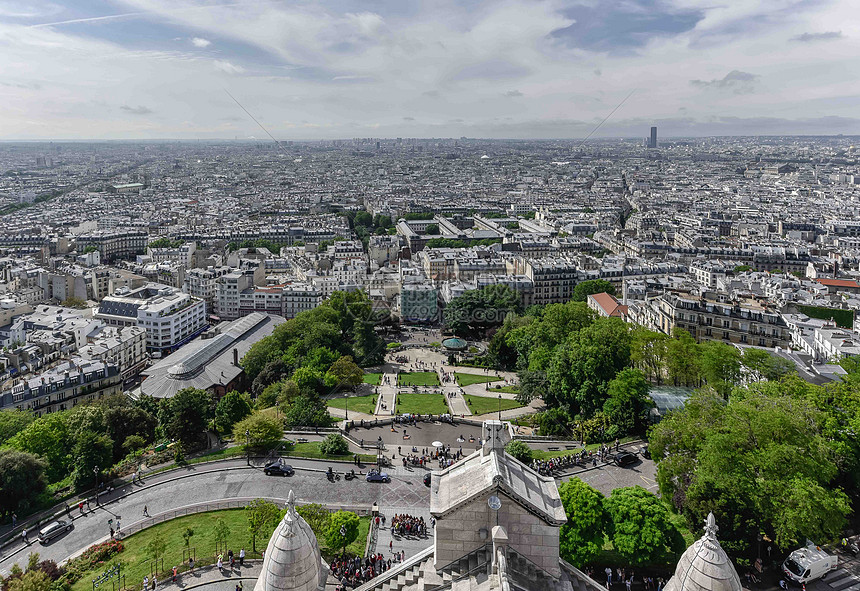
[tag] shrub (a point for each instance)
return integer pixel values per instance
(520, 451)
(334, 445)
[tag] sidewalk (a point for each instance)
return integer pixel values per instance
(209, 576)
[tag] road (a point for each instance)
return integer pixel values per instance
(203, 483)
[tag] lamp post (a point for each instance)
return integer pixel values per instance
(248, 445)
(346, 407)
(96, 472)
(500, 407)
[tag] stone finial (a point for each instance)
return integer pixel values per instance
(711, 526)
(291, 504)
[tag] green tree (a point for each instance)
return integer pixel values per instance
(554, 422)
(641, 529)
(761, 365)
(480, 309)
(583, 289)
(73, 302)
(221, 531)
(232, 408)
(183, 417)
(628, 403)
(581, 538)
(126, 420)
(264, 431)
(766, 461)
(520, 451)
(22, 479)
(344, 373)
(721, 366)
(334, 445)
(582, 367)
(156, 547)
(648, 350)
(32, 580)
(317, 516)
(47, 437)
(307, 411)
(432, 229)
(13, 422)
(288, 392)
(261, 514)
(682, 358)
(342, 530)
(188, 534)
(133, 443)
(309, 380)
(91, 449)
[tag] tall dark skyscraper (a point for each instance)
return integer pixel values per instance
(652, 143)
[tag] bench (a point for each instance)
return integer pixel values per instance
(301, 440)
(553, 449)
(570, 446)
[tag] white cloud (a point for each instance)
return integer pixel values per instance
(200, 42)
(227, 67)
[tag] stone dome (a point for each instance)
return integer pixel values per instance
(292, 561)
(704, 566)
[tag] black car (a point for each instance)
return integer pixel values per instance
(278, 468)
(625, 458)
(427, 479)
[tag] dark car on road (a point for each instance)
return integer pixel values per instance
(625, 458)
(54, 529)
(427, 479)
(278, 468)
(377, 476)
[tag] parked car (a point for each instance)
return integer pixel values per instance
(54, 529)
(646, 453)
(278, 468)
(625, 458)
(427, 479)
(377, 476)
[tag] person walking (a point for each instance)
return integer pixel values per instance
(175, 569)
(24, 536)
(154, 582)
(242, 557)
(220, 562)
(145, 582)
(145, 511)
(14, 519)
(230, 558)
(191, 564)
(118, 527)
(608, 576)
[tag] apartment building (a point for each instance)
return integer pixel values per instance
(63, 387)
(203, 284)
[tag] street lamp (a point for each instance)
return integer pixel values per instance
(248, 445)
(500, 407)
(346, 403)
(96, 472)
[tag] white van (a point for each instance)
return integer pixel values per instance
(807, 564)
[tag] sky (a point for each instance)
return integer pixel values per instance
(325, 69)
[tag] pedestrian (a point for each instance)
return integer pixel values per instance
(118, 525)
(145, 582)
(88, 503)
(24, 536)
(390, 544)
(628, 583)
(220, 562)
(14, 519)
(154, 582)
(608, 576)
(145, 511)
(133, 477)
(111, 533)
(242, 557)
(81, 507)
(191, 564)
(230, 557)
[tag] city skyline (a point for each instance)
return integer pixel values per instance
(141, 69)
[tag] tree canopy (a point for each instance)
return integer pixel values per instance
(581, 538)
(641, 529)
(479, 309)
(583, 289)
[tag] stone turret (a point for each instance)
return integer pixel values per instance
(704, 566)
(292, 561)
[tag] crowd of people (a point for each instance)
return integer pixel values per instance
(408, 525)
(355, 571)
(423, 458)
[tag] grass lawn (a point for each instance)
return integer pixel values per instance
(365, 404)
(418, 378)
(467, 379)
(311, 449)
(416, 403)
(136, 562)
(507, 389)
(372, 378)
(481, 405)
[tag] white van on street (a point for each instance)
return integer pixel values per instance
(807, 564)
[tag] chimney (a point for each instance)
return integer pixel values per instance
(236, 357)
